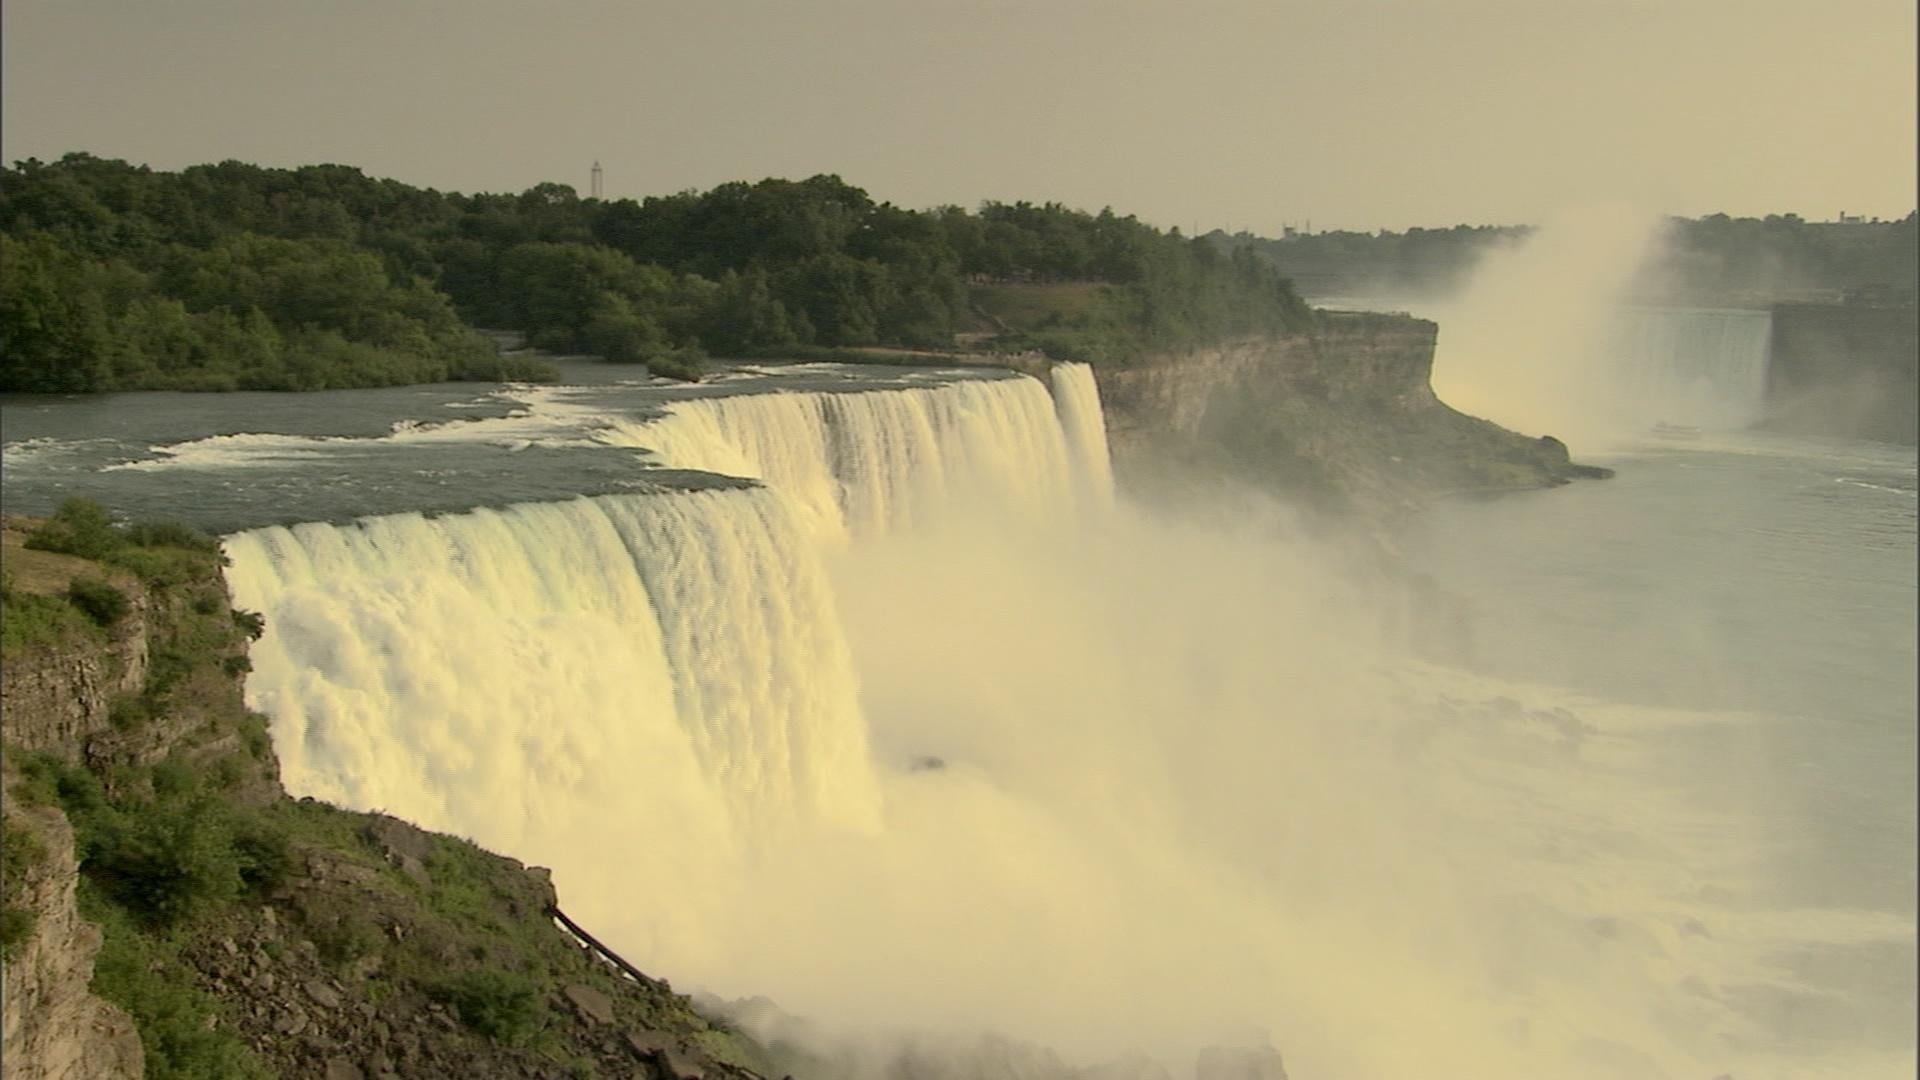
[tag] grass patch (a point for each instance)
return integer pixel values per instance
(30, 621)
(1027, 307)
(504, 1006)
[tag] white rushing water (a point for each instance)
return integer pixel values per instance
(854, 464)
(930, 735)
(416, 663)
(1699, 368)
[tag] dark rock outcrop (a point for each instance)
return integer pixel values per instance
(1343, 418)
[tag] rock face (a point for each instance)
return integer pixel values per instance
(51, 1028)
(1343, 417)
(1851, 370)
(56, 700)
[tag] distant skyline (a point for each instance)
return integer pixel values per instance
(1354, 114)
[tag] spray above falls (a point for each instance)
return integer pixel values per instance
(1546, 339)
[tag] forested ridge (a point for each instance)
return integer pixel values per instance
(234, 276)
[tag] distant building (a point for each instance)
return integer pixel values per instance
(595, 187)
(1852, 219)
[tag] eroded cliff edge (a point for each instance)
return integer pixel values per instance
(1342, 418)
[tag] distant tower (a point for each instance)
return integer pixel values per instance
(596, 179)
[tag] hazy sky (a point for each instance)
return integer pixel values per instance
(1351, 113)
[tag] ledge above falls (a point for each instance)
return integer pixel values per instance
(1341, 417)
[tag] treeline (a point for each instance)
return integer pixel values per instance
(1418, 262)
(1709, 260)
(237, 276)
(1721, 258)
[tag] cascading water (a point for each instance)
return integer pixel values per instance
(853, 464)
(450, 669)
(1077, 399)
(528, 674)
(1693, 367)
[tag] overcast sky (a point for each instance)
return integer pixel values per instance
(1351, 113)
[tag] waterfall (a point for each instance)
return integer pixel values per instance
(454, 669)
(864, 463)
(1701, 368)
(1077, 399)
(655, 656)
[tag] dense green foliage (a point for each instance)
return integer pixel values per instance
(220, 278)
(1719, 256)
(233, 276)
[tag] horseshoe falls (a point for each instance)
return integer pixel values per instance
(1698, 368)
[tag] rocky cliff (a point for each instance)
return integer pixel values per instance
(51, 1026)
(1342, 417)
(1851, 370)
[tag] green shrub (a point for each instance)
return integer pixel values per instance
(16, 929)
(80, 527)
(263, 851)
(686, 362)
(45, 780)
(167, 863)
(20, 850)
(98, 600)
(226, 772)
(344, 936)
(163, 566)
(252, 622)
(501, 1005)
(130, 713)
(254, 732)
(170, 534)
